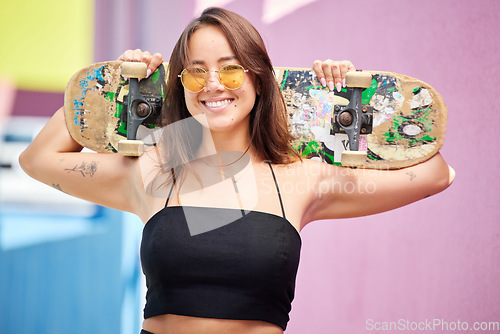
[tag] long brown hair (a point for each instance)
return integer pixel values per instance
(270, 136)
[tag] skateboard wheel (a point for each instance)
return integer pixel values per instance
(358, 79)
(134, 70)
(353, 158)
(131, 148)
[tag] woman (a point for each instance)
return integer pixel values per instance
(224, 196)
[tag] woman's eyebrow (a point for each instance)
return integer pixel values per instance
(224, 59)
(220, 60)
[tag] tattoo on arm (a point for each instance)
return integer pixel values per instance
(57, 186)
(411, 175)
(84, 168)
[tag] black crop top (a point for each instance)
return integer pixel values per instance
(244, 270)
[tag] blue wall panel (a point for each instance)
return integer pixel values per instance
(76, 284)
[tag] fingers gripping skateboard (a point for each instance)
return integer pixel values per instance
(354, 118)
(138, 109)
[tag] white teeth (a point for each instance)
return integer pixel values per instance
(217, 104)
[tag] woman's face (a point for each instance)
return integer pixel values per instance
(225, 110)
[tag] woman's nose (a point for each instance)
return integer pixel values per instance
(213, 82)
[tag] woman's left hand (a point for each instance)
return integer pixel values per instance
(332, 73)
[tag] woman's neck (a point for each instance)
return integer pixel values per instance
(216, 142)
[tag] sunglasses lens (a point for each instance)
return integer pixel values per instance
(194, 79)
(232, 76)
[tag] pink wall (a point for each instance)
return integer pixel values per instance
(436, 259)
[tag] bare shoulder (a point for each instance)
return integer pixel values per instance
(304, 168)
(309, 174)
(153, 182)
(299, 185)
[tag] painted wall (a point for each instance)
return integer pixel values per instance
(44, 42)
(436, 259)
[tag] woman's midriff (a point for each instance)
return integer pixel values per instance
(179, 324)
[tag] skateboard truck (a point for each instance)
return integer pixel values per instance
(354, 119)
(138, 109)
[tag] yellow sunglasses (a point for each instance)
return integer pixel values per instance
(230, 76)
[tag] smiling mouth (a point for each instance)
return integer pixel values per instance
(217, 104)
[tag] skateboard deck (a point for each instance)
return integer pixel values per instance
(404, 119)
(407, 126)
(95, 105)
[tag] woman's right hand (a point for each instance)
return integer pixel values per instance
(137, 55)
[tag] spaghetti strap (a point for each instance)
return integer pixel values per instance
(171, 188)
(277, 188)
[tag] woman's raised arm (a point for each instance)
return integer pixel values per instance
(54, 158)
(340, 192)
(106, 179)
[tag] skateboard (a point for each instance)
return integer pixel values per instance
(381, 120)
(106, 105)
